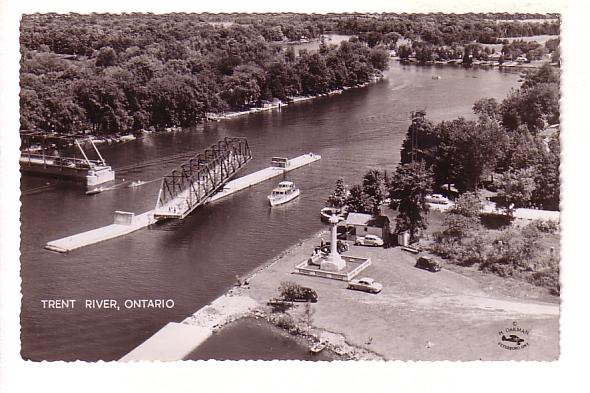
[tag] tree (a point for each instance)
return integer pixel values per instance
(379, 59)
(463, 217)
(106, 57)
(544, 74)
(408, 189)
(243, 87)
(467, 151)
(487, 109)
(535, 107)
(404, 52)
(357, 201)
(338, 198)
(421, 142)
(547, 183)
(467, 205)
(374, 189)
(515, 189)
(536, 104)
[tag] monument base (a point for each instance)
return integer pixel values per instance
(354, 265)
(333, 263)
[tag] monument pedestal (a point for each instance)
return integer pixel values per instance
(333, 263)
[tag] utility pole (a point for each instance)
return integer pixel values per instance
(415, 115)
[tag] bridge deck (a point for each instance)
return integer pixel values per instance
(100, 234)
(143, 220)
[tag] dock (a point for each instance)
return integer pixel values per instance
(264, 174)
(176, 341)
(108, 232)
(126, 222)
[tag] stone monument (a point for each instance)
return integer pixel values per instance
(333, 262)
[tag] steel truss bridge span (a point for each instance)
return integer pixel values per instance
(193, 182)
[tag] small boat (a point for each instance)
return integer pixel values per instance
(327, 212)
(95, 191)
(285, 192)
(317, 347)
(436, 77)
(137, 183)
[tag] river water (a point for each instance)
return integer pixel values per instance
(195, 261)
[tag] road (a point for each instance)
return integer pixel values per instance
(526, 214)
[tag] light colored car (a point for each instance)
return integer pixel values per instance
(437, 198)
(369, 240)
(365, 284)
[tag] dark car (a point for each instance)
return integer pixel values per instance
(302, 294)
(428, 263)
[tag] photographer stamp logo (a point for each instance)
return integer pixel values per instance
(513, 338)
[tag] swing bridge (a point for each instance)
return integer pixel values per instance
(196, 180)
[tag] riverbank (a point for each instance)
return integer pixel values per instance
(278, 105)
(419, 315)
(265, 342)
(249, 297)
(479, 63)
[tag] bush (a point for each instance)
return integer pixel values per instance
(443, 246)
(545, 226)
(472, 251)
(280, 307)
(294, 292)
(287, 289)
(548, 278)
(286, 322)
(495, 221)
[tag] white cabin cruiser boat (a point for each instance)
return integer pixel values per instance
(285, 192)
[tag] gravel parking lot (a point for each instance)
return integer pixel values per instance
(454, 314)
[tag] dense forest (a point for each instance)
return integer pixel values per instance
(124, 73)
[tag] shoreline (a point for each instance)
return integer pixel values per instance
(390, 335)
(291, 100)
(116, 138)
(335, 343)
(477, 64)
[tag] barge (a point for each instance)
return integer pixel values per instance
(91, 172)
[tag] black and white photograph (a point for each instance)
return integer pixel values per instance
(327, 187)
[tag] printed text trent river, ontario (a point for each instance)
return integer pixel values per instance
(99, 304)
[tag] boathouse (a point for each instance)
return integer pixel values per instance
(361, 224)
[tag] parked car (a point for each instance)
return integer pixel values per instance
(428, 263)
(365, 284)
(369, 240)
(301, 294)
(438, 199)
